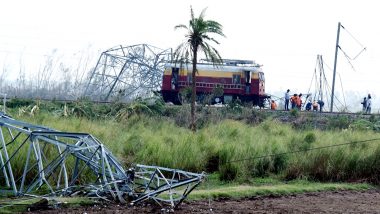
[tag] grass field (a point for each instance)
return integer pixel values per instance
(235, 149)
(244, 152)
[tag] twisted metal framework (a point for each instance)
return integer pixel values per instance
(126, 72)
(39, 161)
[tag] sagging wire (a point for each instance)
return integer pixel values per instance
(344, 97)
(312, 79)
(352, 36)
(304, 150)
(348, 59)
(328, 87)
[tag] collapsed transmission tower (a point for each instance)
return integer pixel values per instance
(39, 161)
(126, 72)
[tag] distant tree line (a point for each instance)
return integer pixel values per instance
(54, 79)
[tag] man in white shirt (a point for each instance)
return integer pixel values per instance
(369, 104)
(287, 97)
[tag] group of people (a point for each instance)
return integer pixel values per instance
(296, 102)
(367, 104)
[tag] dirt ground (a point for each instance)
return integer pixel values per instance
(321, 202)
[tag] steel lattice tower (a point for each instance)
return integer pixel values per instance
(127, 72)
(37, 161)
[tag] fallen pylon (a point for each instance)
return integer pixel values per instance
(40, 161)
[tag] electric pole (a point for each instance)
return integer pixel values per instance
(335, 62)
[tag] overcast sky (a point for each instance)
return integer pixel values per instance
(284, 36)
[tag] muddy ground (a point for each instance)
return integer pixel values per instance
(321, 202)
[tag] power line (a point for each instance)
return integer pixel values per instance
(341, 85)
(352, 36)
(348, 58)
(303, 150)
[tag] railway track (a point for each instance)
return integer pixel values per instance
(328, 114)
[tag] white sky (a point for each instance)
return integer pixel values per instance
(284, 36)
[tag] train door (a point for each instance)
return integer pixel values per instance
(261, 83)
(174, 78)
(247, 82)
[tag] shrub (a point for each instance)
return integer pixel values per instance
(294, 112)
(339, 122)
(19, 102)
(227, 171)
(256, 117)
(185, 94)
(310, 138)
(235, 106)
(361, 125)
(212, 163)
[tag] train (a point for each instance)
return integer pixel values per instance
(239, 79)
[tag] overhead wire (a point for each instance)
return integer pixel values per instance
(328, 88)
(348, 58)
(304, 150)
(314, 75)
(352, 36)
(344, 97)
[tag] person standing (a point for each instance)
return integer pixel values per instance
(273, 105)
(364, 103)
(287, 98)
(321, 104)
(369, 104)
(299, 102)
(293, 100)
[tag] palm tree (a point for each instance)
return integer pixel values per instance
(198, 39)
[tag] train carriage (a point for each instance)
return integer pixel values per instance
(241, 79)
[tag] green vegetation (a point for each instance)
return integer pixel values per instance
(246, 152)
(24, 204)
(237, 144)
(214, 188)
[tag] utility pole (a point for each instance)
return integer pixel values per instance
(321, 70)
(335, 61)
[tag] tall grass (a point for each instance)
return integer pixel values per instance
(236, 150)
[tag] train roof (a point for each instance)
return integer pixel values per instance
(220, 67)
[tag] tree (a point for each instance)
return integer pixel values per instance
(198, 39)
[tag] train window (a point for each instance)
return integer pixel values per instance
(247, 77)
(174, 79)
(236, 79)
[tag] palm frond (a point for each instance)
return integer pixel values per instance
(203, 13)
(206, 37)
(180, 26)
(211, 54)
(198, 37)
(191, 13)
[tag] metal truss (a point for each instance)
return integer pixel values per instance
(39, 161)
(126, 72)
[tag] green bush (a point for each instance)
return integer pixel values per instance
(19, 102)
(294, 112)
(310, 138)
(227, 170)
(256, 117)
(361, 125)
(185, 94)
(339, 122)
